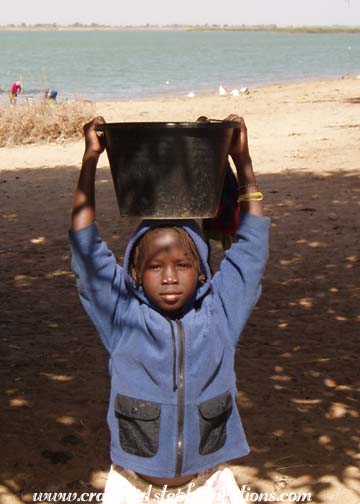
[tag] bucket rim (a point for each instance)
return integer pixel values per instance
(169, 125)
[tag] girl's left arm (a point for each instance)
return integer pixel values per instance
(237, 285)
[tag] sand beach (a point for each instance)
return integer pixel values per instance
(297, 362)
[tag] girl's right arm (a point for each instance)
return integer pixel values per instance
(98, 276)
(83, 213)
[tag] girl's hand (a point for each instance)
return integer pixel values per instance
(94, 141)
(239, 148)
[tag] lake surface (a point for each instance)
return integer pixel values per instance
(110, 65)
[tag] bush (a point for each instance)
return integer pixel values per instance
(45, 122)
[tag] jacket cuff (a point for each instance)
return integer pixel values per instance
(84, 238)
(254, 222)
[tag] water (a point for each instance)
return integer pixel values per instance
(108, 65)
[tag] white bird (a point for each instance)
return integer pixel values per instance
(235, 92)
(222, 91)
(190, 95)
(244, 90)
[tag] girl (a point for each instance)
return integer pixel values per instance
(171, 331)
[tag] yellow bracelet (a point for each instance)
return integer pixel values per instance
(254, 196)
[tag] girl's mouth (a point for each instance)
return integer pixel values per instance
(171, 297)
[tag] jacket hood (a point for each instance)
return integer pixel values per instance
(193, 229)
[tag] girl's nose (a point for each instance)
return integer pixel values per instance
(170, 276)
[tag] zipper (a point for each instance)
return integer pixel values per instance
(180, 415)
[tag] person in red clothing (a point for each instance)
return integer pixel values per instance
(15, 89)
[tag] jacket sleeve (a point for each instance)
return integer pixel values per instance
(98, 279)
(237, 285)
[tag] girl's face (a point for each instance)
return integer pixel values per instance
(168, 275)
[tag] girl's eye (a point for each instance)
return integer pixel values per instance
(155, 267)
(184, 265)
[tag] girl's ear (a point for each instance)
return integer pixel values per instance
(135, 276)
(202, 278)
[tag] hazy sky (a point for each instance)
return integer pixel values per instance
(120, 12)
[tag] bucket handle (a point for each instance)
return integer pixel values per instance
(237, 125)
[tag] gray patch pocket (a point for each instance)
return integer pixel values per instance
(139, 425)
(213, 416)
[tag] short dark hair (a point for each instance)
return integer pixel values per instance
(140, 248)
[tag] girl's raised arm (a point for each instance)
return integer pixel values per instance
(83, 213)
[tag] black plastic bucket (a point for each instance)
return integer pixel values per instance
(168, 170)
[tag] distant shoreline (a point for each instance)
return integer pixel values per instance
(200, 28)
(181, 94)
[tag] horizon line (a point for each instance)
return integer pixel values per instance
(244, 26)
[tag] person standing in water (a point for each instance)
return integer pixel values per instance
(15, 90)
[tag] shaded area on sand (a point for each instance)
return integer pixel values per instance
(296, 365)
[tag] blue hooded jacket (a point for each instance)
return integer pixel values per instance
(172, 408)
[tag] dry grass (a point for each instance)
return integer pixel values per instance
(44, 122)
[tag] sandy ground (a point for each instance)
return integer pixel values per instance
(297, 363)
